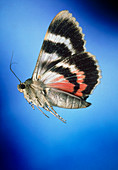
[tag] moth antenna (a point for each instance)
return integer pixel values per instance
(12, 70)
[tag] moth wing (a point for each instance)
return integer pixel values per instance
(63, 63)
(78, 75)
(63, 38)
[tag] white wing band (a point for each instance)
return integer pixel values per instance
(60, 39)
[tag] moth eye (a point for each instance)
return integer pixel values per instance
(22, 86)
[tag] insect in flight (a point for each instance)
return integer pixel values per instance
(65, 74)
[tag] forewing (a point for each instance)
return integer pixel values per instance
(63, 38)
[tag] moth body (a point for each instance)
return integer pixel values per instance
(36, 93)
(65, 74)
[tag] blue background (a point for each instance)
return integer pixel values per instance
(29, 140)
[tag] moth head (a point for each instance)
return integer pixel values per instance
(21, 87)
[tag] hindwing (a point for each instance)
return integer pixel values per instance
(77, 74)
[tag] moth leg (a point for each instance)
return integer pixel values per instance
(58, 115)
(32, 105)
(43, 112)
(55, 114)
(48, 107)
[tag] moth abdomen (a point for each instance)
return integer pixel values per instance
(65, 100)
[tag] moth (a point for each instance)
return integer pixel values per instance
(65, 74)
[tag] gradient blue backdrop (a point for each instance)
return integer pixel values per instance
(30, 141)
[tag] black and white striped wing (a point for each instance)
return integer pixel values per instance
(63, 63)
(63, 38)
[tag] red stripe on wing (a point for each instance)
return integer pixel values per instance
(69, 87)
(64, 86)
(82, 88)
